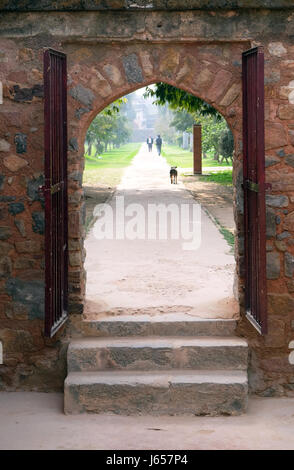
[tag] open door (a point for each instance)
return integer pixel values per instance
(254, 188)
(55, 191)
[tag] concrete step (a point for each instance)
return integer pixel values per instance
(179, 324)
(154, 353)
(158, 393)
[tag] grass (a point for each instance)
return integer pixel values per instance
(228, 236)
(176, 156)
(108, 169)
(221, 177)
(226, 233)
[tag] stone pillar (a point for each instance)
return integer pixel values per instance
(197, 150)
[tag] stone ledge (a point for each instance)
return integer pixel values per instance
(135, 5)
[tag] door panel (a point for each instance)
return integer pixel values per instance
(55, 191)
(254, 188)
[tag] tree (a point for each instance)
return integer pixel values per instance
(183, 121)
(216, 136)
(179, 100)
(108, 127)
(227, 145)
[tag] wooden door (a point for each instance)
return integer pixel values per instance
(254, 188)
(55, 191)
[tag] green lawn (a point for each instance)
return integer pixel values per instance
(184, 159)
(176, 156)
(108, 168)
(221, 177)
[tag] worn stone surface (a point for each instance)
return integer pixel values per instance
(289, 265)
(280, 245)
(5, 248)
(270, 223)
(169, 325)
(270, 160)
(24, 263)
(29, 293)
(83, 95)
(73, 144)
(26, 95)
(275, 136)
(38, 222)
(277, 49)
(231, 95)
(33, 188)
(5, 267)
(273, 266)
(16, 208)
(17, 341)
(220, 84)
(157, 353)
(290, 285)
(75, 258)
(284, 235)
(7, 198)
(20, 141)
(130, 365)
(197, 394)
(290, 160)
(14, 163)
(113, 73)
(73, 5)
(132, 69)
(4, 145)
(21, 226)
(276, 201)
(5, 233)
(16, 311)
(289, 222)
(286, 111)
(28, 246)
(280, 304)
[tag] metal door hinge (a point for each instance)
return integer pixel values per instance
(251, 186)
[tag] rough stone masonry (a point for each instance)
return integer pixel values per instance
(113, 48)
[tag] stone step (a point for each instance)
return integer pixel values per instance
(158, 393)
(179, 324)
(153, 353)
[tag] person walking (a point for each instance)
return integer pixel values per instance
(150, 143)
(158, 143)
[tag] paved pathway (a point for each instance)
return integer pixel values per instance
(158, 276)
(31, 420)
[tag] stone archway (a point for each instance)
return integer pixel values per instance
(102, 73)
(198, 49)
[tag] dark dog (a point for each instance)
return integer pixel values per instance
(173, 175)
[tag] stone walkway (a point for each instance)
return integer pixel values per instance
(158, 276)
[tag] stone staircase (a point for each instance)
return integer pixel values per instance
(173, 364)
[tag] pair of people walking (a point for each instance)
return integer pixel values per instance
(158, 143)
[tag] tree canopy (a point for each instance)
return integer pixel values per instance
(187, 110)
(108, 127)
(178, 99)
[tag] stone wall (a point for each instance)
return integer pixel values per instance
(111, 54)
(121, 5)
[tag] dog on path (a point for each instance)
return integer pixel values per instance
(173, 175)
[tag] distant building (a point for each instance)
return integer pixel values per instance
(144, 121)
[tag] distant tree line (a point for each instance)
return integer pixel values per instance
(110, 128)
(181, 110)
